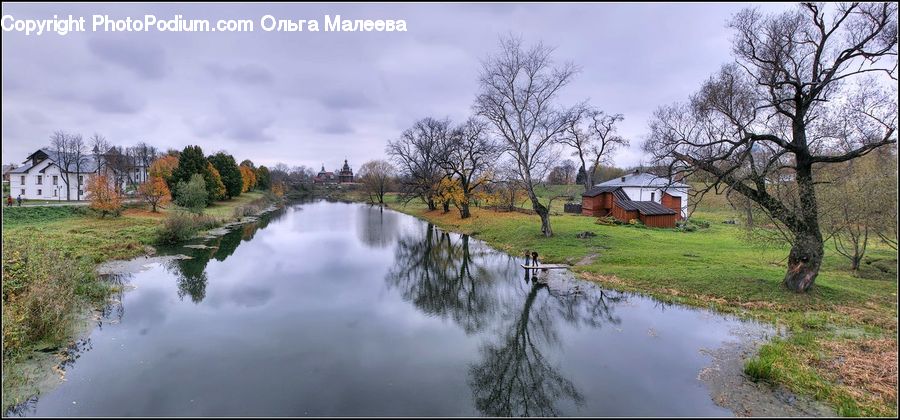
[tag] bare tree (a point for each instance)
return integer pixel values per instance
(418, 154)
(145, 154)
(594, 137)
(856, 198)
(765, 124)
(469, 157)
(518, 90)
(376, 177)
(99, 146)
(70, 154)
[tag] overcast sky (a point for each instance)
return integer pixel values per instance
(310, 98)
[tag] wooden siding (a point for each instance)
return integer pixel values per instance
(660, 221)
(672, 202)
(605, 205)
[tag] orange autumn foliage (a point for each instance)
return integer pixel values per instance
(155, 192)
(105, 198)
(248, 177)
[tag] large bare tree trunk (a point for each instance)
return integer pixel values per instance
(544, 214)
(808, 248)
(804, 261)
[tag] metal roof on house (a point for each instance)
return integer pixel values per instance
(647, 208)
(642, 179)
(88, 162)
(597, 190)
(21, 169)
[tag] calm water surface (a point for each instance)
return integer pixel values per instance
(343, 309)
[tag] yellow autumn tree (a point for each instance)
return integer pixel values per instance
(105, 198)
(155, 192)
(449, 191)
(214, 185)
(248, 177)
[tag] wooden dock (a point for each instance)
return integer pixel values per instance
(545, 266)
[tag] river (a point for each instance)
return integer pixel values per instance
(339, 309)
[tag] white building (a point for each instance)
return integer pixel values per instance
(41, 176)
(641, 186)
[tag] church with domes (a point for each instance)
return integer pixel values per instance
(342, 176)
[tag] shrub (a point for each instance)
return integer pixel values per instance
(181, 226)
(178, 227)
(192, 195)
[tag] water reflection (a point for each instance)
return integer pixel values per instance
(438, 274)
(190, 273)
(377, 227)
(443, 275)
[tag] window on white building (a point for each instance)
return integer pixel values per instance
(23, 191)
(55, 179)
(22, 181)
(39, 191)
(653, 196)
(80, 179)
(40, 180)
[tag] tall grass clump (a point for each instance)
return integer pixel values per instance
(43, 292)
(256, 206)
(181, 226)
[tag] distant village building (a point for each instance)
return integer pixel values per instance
(655, 201)
(343, 176)
(42, 177)
(6, 170)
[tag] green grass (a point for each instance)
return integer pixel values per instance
(15, 216)
(718, 267)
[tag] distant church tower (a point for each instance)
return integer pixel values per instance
(346, 174)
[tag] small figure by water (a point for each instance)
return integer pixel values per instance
(527, 257)
(9, 201)
(534, 258)
(19, 200)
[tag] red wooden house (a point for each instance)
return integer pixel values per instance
(612, 201)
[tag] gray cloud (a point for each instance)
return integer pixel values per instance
(336, 127)
(117, 102)
(338, 100)
(145, 59)
(312, 98)
(245, 74)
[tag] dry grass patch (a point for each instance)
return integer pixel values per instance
(866, 367)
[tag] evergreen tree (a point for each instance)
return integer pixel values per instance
(191, 161)
(263, 180)
(229, 172)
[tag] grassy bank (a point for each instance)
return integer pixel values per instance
(842, 347)
(49, 260)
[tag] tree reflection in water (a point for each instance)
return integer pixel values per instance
(439, 274)
(376, 228)
(191, 273)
